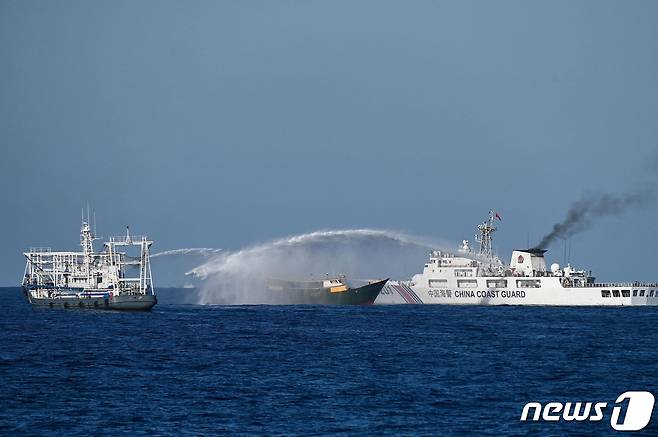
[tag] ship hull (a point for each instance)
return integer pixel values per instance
(610, 295)
(91, 300)
(365, 295)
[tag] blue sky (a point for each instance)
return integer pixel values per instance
(223, 124)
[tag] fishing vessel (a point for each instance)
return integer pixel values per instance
(325, 291)
(468, 277)
(117, 278)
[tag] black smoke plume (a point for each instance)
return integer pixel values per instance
(587, 210)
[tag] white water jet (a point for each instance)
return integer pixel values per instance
(203, 251)
(240, 277)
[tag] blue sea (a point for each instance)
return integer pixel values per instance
(316, 370)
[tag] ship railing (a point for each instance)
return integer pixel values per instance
(620, 284)
(124, 239)
(40, 249)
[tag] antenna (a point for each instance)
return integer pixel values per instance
(564, 259)
(95, 230)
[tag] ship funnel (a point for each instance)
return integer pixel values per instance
(528, 262)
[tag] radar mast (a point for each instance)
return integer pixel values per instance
(485, 234)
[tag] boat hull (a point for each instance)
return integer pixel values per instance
(365, 295)
(615, 295)
(101, 301)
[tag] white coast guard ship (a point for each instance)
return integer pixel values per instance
(111, 279)
(469, 278)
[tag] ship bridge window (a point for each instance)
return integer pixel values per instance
(605, 293)
(634, 292)
(651, 293)
(626, 293)
(467, 283)
(464, 273)
(641, 292)
(434, 283)
(528, 283)
(496, 283)
(615, 293)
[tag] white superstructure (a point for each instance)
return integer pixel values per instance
(481, 278)
(114, 278)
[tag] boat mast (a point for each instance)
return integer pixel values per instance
(485, 235)
(87, 242)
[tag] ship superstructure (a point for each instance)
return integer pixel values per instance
(118, 277)
(481, 278)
